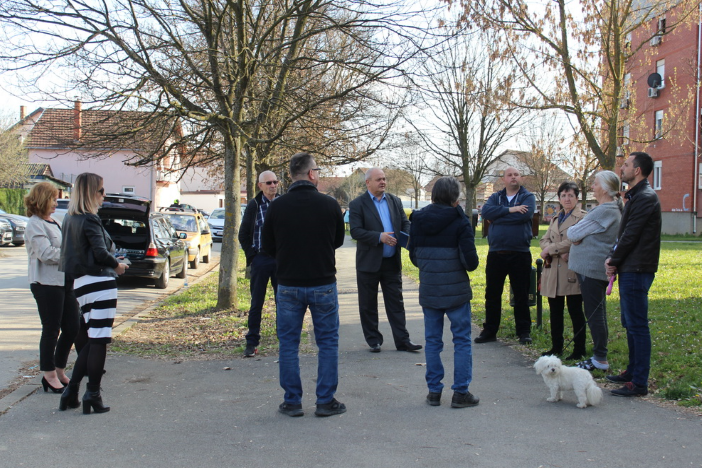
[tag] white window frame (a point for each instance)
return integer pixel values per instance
(658, 124)
(657, 174)
(660, 69)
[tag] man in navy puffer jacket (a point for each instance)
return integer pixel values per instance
(442, 247)
(510, 212)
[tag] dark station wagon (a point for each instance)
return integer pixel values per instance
(148, 240)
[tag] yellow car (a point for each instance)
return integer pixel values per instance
(199, 240)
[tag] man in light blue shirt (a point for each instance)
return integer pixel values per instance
(376, 220)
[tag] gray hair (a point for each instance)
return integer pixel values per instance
(610, 183)
(445, 191)
(260, 176)
(369, 172)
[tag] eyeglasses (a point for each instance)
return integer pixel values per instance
(102, 191)
(272, 182)
(316, 169)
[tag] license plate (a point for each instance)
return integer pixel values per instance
(218, 233)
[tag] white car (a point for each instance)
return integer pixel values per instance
(61, 209)
(216, 222)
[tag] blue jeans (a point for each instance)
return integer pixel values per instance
(633, 294)
(292, 303)
(460, 318)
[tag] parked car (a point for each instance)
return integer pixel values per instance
(199, 238)
(149, 241)
(5, 232)
(216, 223)
(61, 209)
(18, 224)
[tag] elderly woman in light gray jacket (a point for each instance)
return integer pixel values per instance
(56, 301)
(592, 238)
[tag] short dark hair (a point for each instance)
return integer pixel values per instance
(643, 161)
(568, 185)
(300, 164)
(445, 191)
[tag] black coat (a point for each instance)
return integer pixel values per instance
(85, 247)
(366, 227)
(302, 230)
(442, 246)
(638, 245)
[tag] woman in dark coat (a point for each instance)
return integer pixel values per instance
(442, 246)
(87, 256)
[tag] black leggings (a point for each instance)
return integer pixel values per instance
(91, 358)
(58, 311)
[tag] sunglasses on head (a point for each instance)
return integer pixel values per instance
(271, 182)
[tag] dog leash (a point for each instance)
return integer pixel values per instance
(612, 279)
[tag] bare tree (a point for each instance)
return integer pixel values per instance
(575, 56)
(582, 163)
(13, 156)
(545, 148)
(466, 114)
(225, 70)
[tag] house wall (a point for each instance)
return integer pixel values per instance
(676, 150)
(67, 165)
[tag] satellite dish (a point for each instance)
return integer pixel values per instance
(655, 80)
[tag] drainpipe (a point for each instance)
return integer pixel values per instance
(695, 169)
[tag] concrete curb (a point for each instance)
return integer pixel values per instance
(34, 384)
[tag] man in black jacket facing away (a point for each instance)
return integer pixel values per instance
(262, 265)
(303, 228)
(634, 258)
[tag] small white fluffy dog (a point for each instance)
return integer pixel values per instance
(559, 377)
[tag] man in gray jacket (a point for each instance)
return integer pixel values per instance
(634, 258)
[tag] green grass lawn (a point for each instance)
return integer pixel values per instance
(675, 315)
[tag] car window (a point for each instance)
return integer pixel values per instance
(183, 222)
(62, 204)
(159, 231)
(168, 227)
(217, 214)
(124, 227)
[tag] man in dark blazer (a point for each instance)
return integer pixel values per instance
(376, 219)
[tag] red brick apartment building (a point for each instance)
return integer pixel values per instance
(668, 115)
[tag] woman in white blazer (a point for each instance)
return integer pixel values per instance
(56, 301)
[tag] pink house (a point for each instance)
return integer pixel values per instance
(74, 140)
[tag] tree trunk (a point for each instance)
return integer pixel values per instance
(229, 259)
(251, 176)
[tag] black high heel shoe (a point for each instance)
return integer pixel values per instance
(93, 399)
(45, 383)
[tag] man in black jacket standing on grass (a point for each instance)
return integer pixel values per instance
(303, 228)
(634, 258)
(262, 265)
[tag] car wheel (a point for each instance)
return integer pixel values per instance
(18, 244)
(162, 282)
(206, 258)
(183, 271)
(195, 263)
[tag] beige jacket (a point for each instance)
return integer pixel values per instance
(43, 242)
(559, 280)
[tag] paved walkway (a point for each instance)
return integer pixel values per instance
(196, 414)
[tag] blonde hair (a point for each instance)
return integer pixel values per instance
(84, 198)
(40, 199)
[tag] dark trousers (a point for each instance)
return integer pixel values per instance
(58, 311)
(390, 279)
(575, 310)
(262, 270)
(594, 292)
(516, 265)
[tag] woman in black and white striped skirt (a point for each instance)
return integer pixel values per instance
(87, 256)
